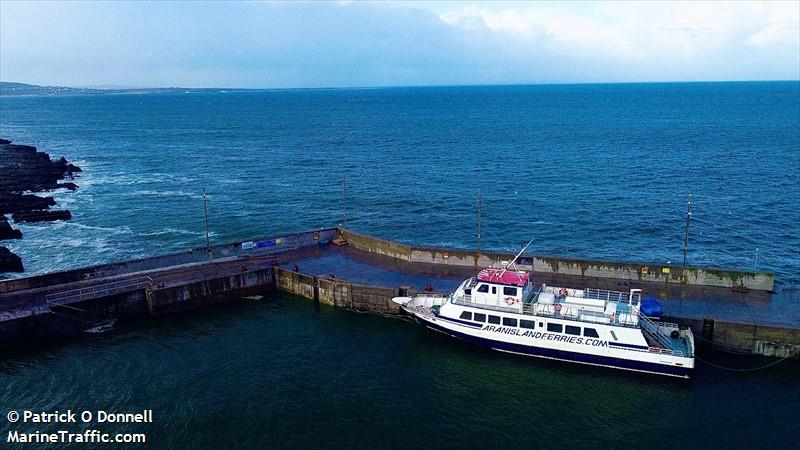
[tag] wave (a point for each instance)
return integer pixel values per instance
(122, 229)
(191, 195)
(177, 231)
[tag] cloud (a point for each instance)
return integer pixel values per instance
(637, 30)
(678, 40)
(782, 27)
(265, 44)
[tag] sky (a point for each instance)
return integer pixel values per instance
(260, 44)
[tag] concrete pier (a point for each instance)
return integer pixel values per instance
(364, 275)
(645, 272)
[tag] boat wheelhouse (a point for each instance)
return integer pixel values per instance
(500, 308)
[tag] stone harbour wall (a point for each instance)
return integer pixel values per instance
(338, 293)
(653, 273)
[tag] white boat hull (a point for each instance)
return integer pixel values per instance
(543, 344)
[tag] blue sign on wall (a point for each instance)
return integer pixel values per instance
(265, 244)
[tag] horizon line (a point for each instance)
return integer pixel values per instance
(239, 88)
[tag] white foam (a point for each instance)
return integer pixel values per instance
(168, 194)
(177, 231)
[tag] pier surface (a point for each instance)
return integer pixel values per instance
(365, 275)
(696, 302)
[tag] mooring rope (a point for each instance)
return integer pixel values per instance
(381, 314)
(733, 369)
(720, 347)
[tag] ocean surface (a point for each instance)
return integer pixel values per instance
(596, 171)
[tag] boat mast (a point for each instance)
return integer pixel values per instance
(513, 261)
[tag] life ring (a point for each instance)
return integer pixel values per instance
(557, 307)
(510, 301)
(563, 292)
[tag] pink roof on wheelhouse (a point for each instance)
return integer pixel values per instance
(497, 276)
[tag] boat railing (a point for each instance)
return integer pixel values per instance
(429, 294)
(654, 330)
(529, 293)
(612, 296)
(545, 310)
(666, 324)
(466, 300)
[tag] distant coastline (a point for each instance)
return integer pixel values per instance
(20, 89)
(24, 89)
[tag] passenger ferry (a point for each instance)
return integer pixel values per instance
(500, 308)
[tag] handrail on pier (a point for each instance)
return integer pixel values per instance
(99, 290)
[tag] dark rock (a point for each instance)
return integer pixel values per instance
(11, 203)
(6, 232)
(25, 169)
(10, 262)
(42, 215)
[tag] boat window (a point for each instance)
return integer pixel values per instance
(467, 291)
(541, 324)
(509, 322)
(526, 323)
(614, 335)
(483, 288)
(575, 331)
(479, 317)
(466, 315)
(510, 291)
(590, 332)
(494, 319)
(554, 327)
(494, 289)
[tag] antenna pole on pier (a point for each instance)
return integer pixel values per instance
(205, 210)
(686, 234)
(478, 254)
(344, 200)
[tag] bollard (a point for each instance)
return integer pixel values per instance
(708, 329)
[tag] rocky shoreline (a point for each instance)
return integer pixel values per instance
(24, 169)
